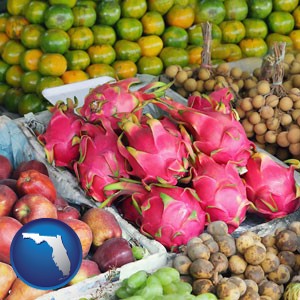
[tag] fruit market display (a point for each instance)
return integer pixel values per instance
(112, 147)
(216, 265)
(27, 193)
(50, 43)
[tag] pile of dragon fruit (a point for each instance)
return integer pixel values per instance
(171, 174)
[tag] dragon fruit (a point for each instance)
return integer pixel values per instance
(62, 136)
(271, 186)
(100, 162)
(115, 100)
(217, 134)
(171, 215)
(156, 150)
(221, 191)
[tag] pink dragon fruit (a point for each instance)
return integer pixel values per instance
(116, 100)
(156, 150)
(62, 136)
(217, 134)
(171, 215)
(219, 100)
(221, 191)
(271, 186)
(100, 162)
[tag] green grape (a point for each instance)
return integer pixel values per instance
(137, 279)
(170, 288)
(121, 293)
(184, 288)
(150, 291)
(166, 275)
(173, 297)
(152, 280)
(138, 252)
(206, 296)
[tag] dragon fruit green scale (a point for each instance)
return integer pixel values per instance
(271, 187)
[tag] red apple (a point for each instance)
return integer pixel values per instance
(60, 202)
(7, 199)
(6, 167)
(67, 212)
(7, 277)
(33, 206)
(8, 228)
(103, 223)
(88, 268)
(113, 253)
(12, 183)
(30, 165)
(84, 233)
(20, 290)
(34, 182)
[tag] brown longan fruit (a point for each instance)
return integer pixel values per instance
(272, 123)
(258, 101)
(282, 140)
(260, 138)
(223, 68)
(203, 74)
(190, 84)
(294, 135)
(298, 120)
(286, 119)
(260, 128)
(295, 113)
(240, 112)
(294, 149)
(254, 117)
(286, 103)
(181, 77)
(272, 100)
(287, 85)
(296, 104)
(263, 87)
(209, 85)
(295, 67)
(252, 92)
(296, 80)
(289, 57)
(172, 70)
(236, 72)
(246, 104)
(294, 94)
(249, 83)
(266, 112)
(257, 72)
(182, 92)
(200, 86)
(271, 136)
(245, 75)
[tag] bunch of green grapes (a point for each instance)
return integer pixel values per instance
(163, 284)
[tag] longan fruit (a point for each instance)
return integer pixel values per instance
(296, 80)
(172, 70)
(286, 119)
(240, 112)
(235, 87)
(249, 83)
(252, 92)
(189, 71)
(258, 101)
(260, 128)
(181, 77)
(294, 94)
(254, 117)
(196, 93)
(295, 67)
(257, 72)
(286, 103)
(236, 72)
(245, 75)
(248, 127)
(266, 112)
(263, 87)
(271, 136)
(260, 138)
(298, 120)
(282, 139)
(190, 85)
(182, 92)
(294, 135)
(209, 85)
(273, 123)
(294, 149)
(289, 57)
(295, 113)
(296, 104)
(272, 100)
(246, 104)
(223, 68)
(203, 74)
(287, 85)
(200, 86)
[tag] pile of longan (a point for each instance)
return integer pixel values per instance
(247, 267)
(270, 119)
